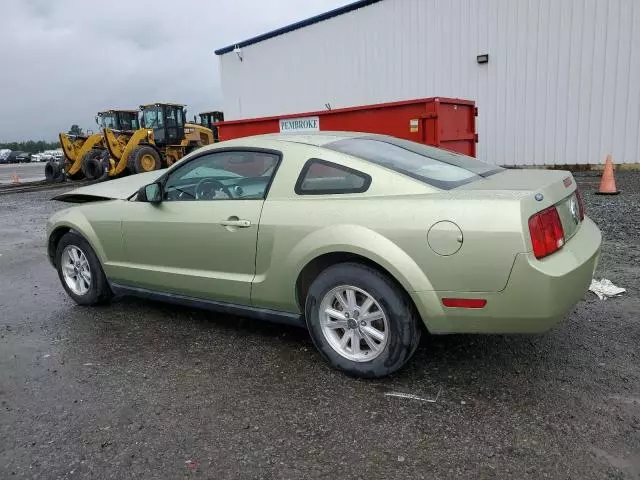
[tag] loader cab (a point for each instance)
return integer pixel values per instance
(128, 120)
(166, 120)
(208, 119)
(118, 119)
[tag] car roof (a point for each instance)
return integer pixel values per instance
(314, 138)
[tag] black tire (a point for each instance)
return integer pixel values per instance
(106, 165)
(99, 290)
(51, 171)
(79, 175)
(144, 158)
(404, 328)
(91, 166)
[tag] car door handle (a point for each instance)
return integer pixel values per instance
(236, 223)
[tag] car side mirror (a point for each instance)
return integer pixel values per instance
(151, 193)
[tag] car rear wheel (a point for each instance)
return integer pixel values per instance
(80, 271)
(361, 322)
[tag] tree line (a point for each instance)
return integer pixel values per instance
(31, 146)
(35, 146)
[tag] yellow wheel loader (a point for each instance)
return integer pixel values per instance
(209, 119)
(163, 139)
(85, 156)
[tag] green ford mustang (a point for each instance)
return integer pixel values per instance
(363, 239)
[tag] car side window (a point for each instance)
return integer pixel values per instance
(226, 175)
(319, 177)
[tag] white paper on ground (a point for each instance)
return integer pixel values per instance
(605, 289)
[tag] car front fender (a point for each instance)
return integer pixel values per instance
(72, 219)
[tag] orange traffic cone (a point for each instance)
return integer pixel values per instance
(15, 178)
(608, 182)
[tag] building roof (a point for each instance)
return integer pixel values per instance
(301, 24)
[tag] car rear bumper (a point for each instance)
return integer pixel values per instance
(537, 296)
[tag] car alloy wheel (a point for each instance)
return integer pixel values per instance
(76, 270)
(353, 323)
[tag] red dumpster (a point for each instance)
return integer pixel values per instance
(448, 123)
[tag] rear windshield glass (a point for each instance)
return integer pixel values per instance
(437, 167)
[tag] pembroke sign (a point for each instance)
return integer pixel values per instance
(302, 124)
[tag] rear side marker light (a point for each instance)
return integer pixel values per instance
(547, 234)
(464, 302)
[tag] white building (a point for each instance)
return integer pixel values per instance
(561, 85)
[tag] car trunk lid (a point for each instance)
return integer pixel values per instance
(537, 190)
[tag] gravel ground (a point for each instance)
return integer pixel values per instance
(145, 390)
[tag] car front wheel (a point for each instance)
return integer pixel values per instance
(80, 271)
(361, 322)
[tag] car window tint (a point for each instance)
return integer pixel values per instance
(320, 177)
(437, 167)
(227, 175)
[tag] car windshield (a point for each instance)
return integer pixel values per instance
(440, 168)
(207, 172)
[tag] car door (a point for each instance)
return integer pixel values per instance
(200, 240)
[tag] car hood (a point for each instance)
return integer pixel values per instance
(121, 188)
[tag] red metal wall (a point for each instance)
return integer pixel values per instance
(448, 123)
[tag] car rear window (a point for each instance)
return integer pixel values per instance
(440, 168)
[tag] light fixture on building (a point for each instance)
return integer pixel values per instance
(484, 58)
(238, 51)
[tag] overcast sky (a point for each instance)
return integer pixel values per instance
(63, 60)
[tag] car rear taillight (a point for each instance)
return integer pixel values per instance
(547, 234)
(580, 204)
